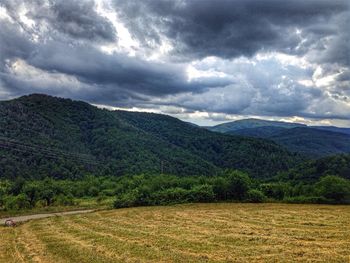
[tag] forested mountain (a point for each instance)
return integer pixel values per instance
(252, 123)
(313, 142)
(333, 128)
(47, 136)
(310, 141)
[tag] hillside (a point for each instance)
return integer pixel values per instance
(333, 128)
(310, 142)
(42, 135)
(252, 123)
(311, 171)
(313, 142)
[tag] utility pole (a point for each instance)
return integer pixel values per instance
(161, 166)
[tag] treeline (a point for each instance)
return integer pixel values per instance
(144, 190)
(22, 194)
(161, 189)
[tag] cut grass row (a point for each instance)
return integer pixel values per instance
(186, 233)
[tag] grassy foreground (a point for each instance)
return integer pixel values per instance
(186, 233)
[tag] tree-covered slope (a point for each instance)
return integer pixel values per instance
(46, 136)
(252, 123)
(313, 142)
(310, 142)
(333, 128)
(259, 157)
(311, 171)
(258, 132)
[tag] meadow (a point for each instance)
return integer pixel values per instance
(221, 232)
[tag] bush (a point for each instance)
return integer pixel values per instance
(16, 202)
(238, 184)
(255, 196)
(275, 190)
(128, 199)
(64, 200)
(202, 193)
(171, 196)
(334, 187)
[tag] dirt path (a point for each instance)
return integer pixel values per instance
(19, 219)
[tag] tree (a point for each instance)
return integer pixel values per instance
(239, 184)
(255, 196)
(202, 193)
(334, 187)
(32, 192)
(274, 190)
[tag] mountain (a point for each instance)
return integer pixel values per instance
(313, 142)
(307, 141)
(252, 123)
(43, 136)
(333, 128)
(258, 132)
(310, 141)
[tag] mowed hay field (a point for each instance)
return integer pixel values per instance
(186, 233)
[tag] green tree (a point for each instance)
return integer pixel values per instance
(238, 184)
(334, 187)
(255, 196)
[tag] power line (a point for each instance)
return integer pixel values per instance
(44, 148)
(18, 146)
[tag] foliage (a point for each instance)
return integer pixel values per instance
(255, 196)
(311, 171)
(334, 188)
(43, 136)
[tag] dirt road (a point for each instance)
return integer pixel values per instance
(19, 219)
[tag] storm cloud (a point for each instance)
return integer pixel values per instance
(222, 58)
(225, 28)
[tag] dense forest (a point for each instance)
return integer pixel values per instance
(309, 141)
(43, 136)
(54, 151)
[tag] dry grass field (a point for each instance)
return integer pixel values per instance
(186, 233)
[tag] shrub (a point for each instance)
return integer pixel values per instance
(16, 202)
(128, 199)
(275, 190)
(238, 184)
(171, 196)
(334, 187)
(202, 193)
(255, 196)
(64, 200)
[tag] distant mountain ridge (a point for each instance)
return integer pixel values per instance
(252, 123)
(311, 141)
(44, 136)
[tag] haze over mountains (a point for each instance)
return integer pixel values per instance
(311, 141)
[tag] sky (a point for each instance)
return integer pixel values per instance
(203, 61)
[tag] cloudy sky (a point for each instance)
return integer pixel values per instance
(205, 61)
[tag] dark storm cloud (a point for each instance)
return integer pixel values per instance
(94, 67)
(227, 28)
(98, 72)
(62, 51)
(77, 19)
